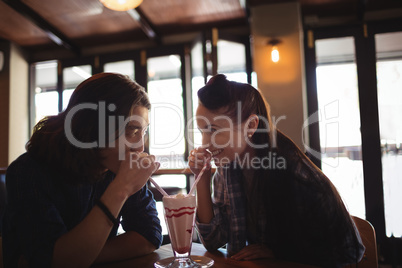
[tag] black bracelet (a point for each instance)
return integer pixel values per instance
(107, 212)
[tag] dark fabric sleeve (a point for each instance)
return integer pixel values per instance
(139, 214)
(32, 222)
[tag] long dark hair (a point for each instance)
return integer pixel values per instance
(93, 103)
(240, 99)
(291, 217)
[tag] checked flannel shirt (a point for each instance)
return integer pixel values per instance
(229, 225)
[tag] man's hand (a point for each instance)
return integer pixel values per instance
(135, 171)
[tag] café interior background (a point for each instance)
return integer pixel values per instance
(336, 89)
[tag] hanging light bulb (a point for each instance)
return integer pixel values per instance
(274, 51)
(121, 5)
(275, 54)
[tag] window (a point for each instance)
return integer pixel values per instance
(339, 120)
(72, 77)
(125, 67)
(377, 56)
(231, 62)
(165, 91)
(46, 100)
(167, 124)
(197, 82)
(389, 88)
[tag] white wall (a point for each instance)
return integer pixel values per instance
(281, 83)
(18, 109)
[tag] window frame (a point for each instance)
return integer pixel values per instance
(364, 36)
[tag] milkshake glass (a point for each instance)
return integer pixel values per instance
(179, 211)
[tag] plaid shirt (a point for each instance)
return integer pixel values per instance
(300, 182)
(41, 208)
(229, 226)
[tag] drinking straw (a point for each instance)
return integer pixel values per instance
(198, 178)
(158, 187)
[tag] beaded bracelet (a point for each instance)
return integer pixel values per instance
(107, 212)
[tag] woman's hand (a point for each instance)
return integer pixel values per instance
(253, 252)
(198, 158)
(135, 171)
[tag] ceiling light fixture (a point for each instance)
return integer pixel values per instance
(1, 60)
(274, 52)
(121, 5)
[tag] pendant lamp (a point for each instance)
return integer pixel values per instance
(121, 5)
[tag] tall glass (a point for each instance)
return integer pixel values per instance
(179, 216)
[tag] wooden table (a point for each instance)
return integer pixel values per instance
(219, 256)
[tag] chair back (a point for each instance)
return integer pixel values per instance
(367, 234)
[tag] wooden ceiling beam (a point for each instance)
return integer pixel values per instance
(146, 26)
(54, 34)
(361, 10)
